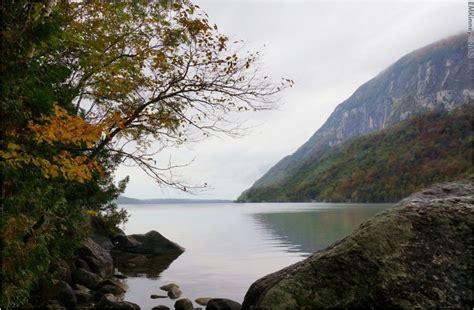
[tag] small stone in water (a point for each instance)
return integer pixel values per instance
(169, 286)
(174, 292)
(183, 304)
(154, 296)
(203, 300)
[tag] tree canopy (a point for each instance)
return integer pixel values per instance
(87, 86)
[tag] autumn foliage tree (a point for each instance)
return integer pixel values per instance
(87, 86)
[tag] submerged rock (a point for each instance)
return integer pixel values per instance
(174, 292)
(183, 304)
(203, 301)
(169, 286)
(223, 304)
(417, 254)
(160, 307)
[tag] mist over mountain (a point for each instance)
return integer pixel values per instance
(435, 77)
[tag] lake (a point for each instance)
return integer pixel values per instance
(229, 246)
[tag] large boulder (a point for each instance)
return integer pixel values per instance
(150, 243)
(101, 233)
(99, 259)
(415, 255)
(86, 278)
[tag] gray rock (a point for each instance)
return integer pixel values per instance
(169, 286)
(101, 233)
(110, 289)
(83, 296)
(86, 278)
(183, 304)
(150, 243)
(80, 263)
(223, 304)
(415, 255)
(81, 288)
(174, 292)
(61, 292)
(110, 301)
(112, 282)
(98, 258)
(203, 301)
(137, 260)
(154, 296)
(95, 265)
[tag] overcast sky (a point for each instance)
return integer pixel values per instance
(329, 48)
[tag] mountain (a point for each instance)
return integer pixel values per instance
(133, 201)
(388, 165)
(435, 77)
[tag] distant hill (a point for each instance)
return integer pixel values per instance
(385, 166)
(435, 77)
(133, 201)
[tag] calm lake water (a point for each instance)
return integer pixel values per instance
(229, 246)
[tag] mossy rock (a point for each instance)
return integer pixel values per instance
(416, 254)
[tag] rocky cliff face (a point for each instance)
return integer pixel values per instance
(436, 76)
(415, 255)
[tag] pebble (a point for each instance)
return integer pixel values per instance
(154, 296)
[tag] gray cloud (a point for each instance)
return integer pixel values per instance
(329, 49)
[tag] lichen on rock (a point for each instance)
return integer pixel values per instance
(417, 254)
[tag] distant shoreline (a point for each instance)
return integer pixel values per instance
(122, 200)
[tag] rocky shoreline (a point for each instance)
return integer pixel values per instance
(93, 279)
(417, 254)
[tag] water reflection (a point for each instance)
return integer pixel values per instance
(309, 231)
(151, 267)
(229, 246)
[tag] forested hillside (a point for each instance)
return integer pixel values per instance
(433, 77)
(384, 166)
